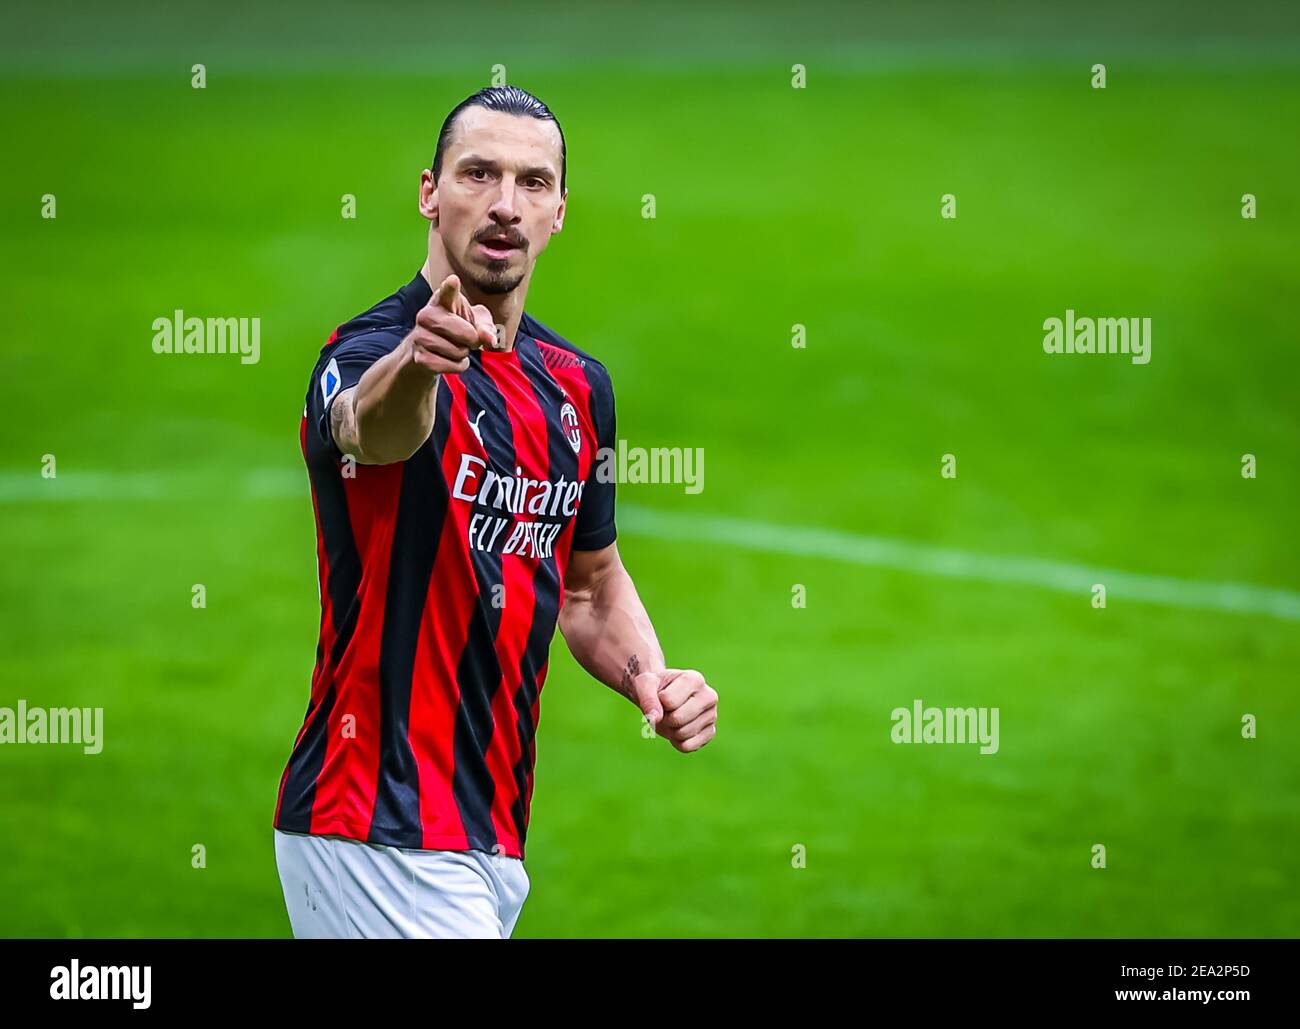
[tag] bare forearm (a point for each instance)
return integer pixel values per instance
(388, 414)
(609, 632)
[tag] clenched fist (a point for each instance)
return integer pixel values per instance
(679, 705)
(447, 328)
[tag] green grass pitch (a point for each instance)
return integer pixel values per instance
(775, 206)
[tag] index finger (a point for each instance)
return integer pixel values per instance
(446, 294)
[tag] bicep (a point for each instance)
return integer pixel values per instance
(587, 569)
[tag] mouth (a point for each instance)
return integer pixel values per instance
(498, 248)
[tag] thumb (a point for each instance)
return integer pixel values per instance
(646, 686)
(487, 329)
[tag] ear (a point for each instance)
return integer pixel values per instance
(558, 223)
(429, 197)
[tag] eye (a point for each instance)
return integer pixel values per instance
(475, 171)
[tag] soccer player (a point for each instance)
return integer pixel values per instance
(452, 444)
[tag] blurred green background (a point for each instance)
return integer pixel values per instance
(775, 206)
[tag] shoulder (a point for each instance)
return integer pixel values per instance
(557, 353)
(379, 328)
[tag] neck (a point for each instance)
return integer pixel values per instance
(507, 308)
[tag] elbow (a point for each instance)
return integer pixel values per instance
(574, 607)
(565, 617)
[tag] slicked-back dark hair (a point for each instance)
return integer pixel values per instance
(508, 100)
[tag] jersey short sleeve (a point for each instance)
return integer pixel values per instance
(340, 367)
(594, 527)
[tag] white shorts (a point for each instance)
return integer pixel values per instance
(339, 888)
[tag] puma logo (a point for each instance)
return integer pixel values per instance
(474, 425)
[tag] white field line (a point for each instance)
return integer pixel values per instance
(740, 533)
(929, 559)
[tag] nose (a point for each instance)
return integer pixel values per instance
(503, 210)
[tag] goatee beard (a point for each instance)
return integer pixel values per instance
(498, 284)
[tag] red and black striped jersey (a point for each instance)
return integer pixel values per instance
(440, 585)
